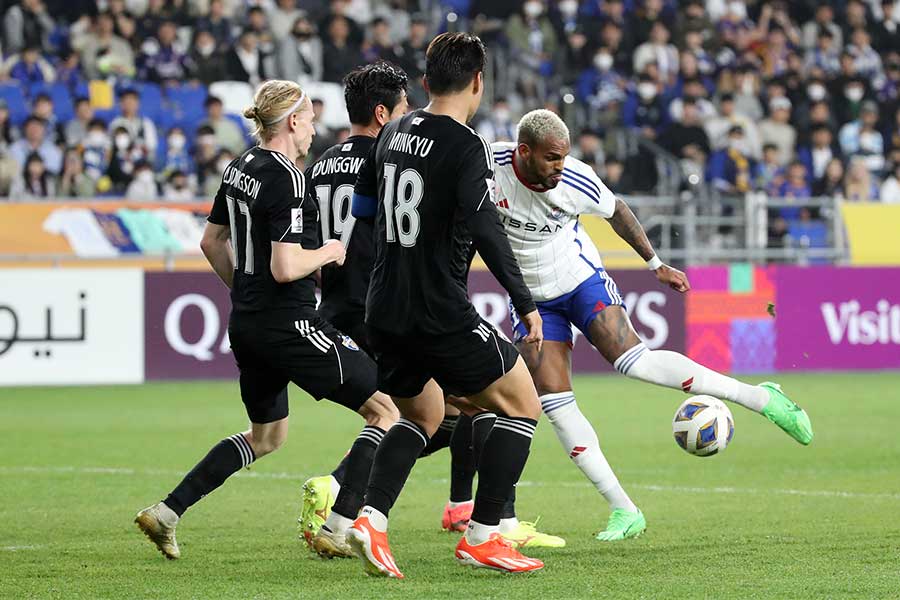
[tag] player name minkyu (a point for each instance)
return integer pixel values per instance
(411, 144)
(238, 180)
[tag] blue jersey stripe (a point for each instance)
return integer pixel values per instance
(581, 189)
(586, 180)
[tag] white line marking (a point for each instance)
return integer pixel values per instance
(5, 470)
(17, 548)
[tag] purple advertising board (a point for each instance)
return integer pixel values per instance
(837, 318)
(186, 321)
(186, 327)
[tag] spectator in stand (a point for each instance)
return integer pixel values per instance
(379, 46)
(141, 130)
(218, 25)
(746, 92)
(96, 149)
(103, 53)
(178, 188)
(228, 134)
(615, 177)
(818, 155)
(125, 155)
(339, 11)
(887, 90)
(206, 153)
(860, 138)
(646, 13)
(852, 94)
(35, 141)
(693, 18)
(143, 186)
(890, 189)
(831, 184)
(865, 58)
(340, 54)
(814, 93)
(860, 185)
(126, 28)
(686, 138)
(658, 50)
(324, 137)
(826, 55)
(600, 84)
(769, 173)
(74, 182)
(282, 17)
(730, 170)
(886, 34)
(589, 149)
(162, 59)
(411, 58)
(177, 157)
(28, 68)
(245, 62)
(718, 127)
(26, 25)
(207, 61)
(498, 126)
(644, 108)
(36, 182)
(692, 89)
(258, 23)
(854, 18)
(794, 186)
(777, 129)
(823, 22)
(532, 45)
(300, 54)
(42, 108)
(69, 71)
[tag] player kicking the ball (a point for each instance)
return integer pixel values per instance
(262, 241)
(541, 192)
(428, 183)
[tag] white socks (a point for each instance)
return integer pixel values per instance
(677, 371)
(580, 442)
(507, 525)
(377, 518)
(338, 524)
(476, 533)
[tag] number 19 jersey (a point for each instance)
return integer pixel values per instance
(429, 174)
(330, 181)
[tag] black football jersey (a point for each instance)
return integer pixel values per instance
(261, 199)
(330, 182)
(429, 174)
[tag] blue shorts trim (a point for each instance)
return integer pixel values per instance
(578, 308)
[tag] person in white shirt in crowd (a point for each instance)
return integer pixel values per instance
(890, 189)
(143, 186)
(498, 126)
(861, 138)
(140, 129)
(777, 129)
(35, 140)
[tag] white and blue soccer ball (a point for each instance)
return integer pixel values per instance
(703, 426)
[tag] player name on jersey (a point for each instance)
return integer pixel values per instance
(409, 143)
(338, 164)
(237, 179)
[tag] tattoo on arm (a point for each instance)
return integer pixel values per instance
(627, 227)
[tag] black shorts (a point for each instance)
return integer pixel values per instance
(353, 325)
(462, 363)
(273, 350)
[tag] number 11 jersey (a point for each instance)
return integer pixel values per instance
(428, 174)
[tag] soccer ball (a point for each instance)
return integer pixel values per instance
(703, 426)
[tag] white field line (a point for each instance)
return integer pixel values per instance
(24, 470)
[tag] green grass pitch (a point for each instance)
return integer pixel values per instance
(765, 519)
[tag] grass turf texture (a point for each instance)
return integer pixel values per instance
(766, 519)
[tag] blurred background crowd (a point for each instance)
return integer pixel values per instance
(794, 99)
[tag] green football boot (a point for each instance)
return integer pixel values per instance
(623, 524)
(785, 413)
(317, 502)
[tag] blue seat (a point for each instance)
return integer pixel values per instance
(15, 101)
(63, 104)
(187, 102)
(152, 104)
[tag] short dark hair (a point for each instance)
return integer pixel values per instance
(368, 86)
(452, 61)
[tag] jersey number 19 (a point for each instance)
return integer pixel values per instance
(335, 212)
(400, 214)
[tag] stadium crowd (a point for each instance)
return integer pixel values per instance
(796, 99)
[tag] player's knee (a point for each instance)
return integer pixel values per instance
(379, 411)
(267, 444)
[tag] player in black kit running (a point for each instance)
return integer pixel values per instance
(428, 183)
(262, 241)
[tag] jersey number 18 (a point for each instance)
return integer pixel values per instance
(408, 189)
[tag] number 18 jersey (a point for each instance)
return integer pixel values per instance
(429, 174)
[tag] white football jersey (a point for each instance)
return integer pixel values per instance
(554, 252)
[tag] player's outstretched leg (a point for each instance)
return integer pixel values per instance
(613, 336)
(330, 539)
(458, 509)
(158, 521)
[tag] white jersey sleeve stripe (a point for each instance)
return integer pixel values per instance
(583, 179)
(580, 187)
